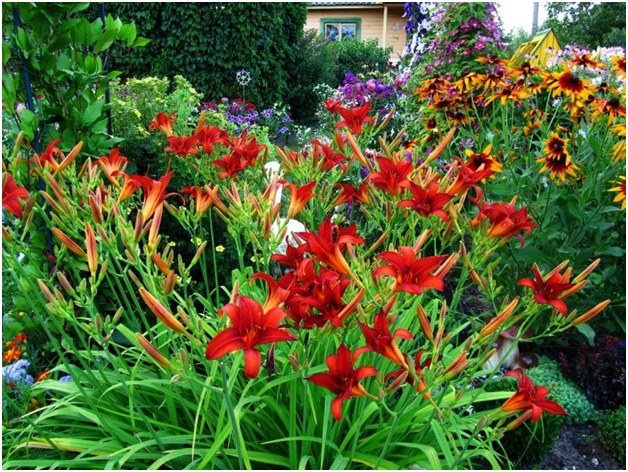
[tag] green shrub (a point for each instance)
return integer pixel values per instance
(357, 56)
(314, 57)
(611, 432)
(563, 391)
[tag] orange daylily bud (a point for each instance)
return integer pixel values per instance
(139, 226)
(161, 265)
(45, 291)
(364, 162)
(573, 289)
(53, 204)
(446, 266)
(161, 312)
(441, 147)
(425, 235)
(90, 245)
(499, 320)
(425, 323)
(65, 283)
(377, 243)
(70, 157)
(457, 365)
(96, 208)
(153, 352)
(591, 313)
(169, 282)
(67, 242)
(586, 272)
(154, 227)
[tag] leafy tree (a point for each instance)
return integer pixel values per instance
(588, 24)
(515, 38)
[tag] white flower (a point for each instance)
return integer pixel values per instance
(289, 237)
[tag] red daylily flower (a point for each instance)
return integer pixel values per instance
(467, 178)
(245, 149)
(230, 164)
(411, 274)
(350, 194)
(548, 291)
(531, 397)
(154, 194)
(427, 202)
(316, 298)
(209, 136)
(380, 340)
(392, 177)
(293, 256)
(12, 194)
(342, 379)
(354, 118)
(329, 157)
(251, 327)
(50, 155)
(112, 165)
(506, 221)
(182, 146)
(203, 197)
(163, 123)
(332, 105)
(299, 197)
(328, 244)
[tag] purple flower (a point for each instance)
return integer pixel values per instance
(65, 378)
(16, 372)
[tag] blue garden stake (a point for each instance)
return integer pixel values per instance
(107, 95)
(39, 132)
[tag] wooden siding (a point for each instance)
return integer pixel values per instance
(372, 24)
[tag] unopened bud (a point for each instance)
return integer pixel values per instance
(153, 352)
(169, 282)
(425, 323)
(161, 312)
(591, 313)
(46, 291)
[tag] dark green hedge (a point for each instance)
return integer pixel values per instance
(208, 43)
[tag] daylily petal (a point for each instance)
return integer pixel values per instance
(223, 343)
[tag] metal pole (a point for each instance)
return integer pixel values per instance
(107, 94)
(39, 132)
(535, 17)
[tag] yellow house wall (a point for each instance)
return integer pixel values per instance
(372, 24)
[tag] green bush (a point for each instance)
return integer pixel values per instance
(358, 56)
(611, 432)
(314, 57)
(563, 391)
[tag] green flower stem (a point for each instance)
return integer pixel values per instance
(235, 426)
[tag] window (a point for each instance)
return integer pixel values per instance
(337, 29)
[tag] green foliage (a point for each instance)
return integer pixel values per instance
(588, 24)
(527, 445)
(314, 65)
(611, 432)
(357, 57)
(65, 54)
(209, 42)
(563, 391)
(514, 39)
